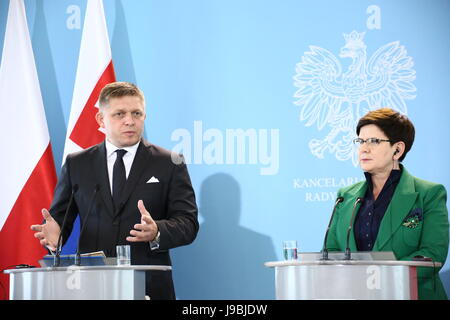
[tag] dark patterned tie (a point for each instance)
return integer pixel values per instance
(119, 176)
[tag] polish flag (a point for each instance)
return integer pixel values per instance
(95, 70)
(27, 170)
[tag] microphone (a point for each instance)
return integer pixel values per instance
(324, 247)
(347, 248)
(78, 256)
(56, 258)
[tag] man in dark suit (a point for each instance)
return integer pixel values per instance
(141, 193)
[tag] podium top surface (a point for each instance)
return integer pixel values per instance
(293, 263)
(359, 258)
(93, 268)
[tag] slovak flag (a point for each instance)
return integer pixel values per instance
(95, 70)
(27, 169)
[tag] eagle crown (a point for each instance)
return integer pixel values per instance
(354, 43)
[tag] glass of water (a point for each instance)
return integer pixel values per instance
(123, 255)
(290, 249)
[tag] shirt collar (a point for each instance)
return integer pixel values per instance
(394, 177)
(111, 148)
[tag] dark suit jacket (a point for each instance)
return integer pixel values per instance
(413, 199)
(171, 203)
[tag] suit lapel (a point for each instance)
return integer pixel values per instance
(401, 204)
(140, 163)
(102, 177)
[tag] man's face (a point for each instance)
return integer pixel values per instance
(123, 120)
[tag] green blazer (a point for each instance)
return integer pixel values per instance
(415, 223)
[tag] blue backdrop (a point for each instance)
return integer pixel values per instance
(230, 84)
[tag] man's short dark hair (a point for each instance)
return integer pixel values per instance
(117, 90)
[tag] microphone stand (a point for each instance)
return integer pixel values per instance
(56, 257)
(347, 248)
(324, 247)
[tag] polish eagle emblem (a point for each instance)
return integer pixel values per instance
(331, 98)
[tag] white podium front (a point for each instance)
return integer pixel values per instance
(347, 279)
(107, 282)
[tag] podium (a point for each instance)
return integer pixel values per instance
(108, 282)
(315, 279)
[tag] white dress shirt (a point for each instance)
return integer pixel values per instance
(111, 156)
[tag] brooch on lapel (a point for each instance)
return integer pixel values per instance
(413, 219)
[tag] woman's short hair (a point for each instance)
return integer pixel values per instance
(117, 90)
(396, 126)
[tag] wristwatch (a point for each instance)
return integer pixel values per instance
(154, 244)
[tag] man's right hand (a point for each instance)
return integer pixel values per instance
(48, 232)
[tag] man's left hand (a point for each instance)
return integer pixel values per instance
(145, 231)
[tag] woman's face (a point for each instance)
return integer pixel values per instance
(375, 158)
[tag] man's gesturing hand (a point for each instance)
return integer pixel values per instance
(48, 232)
(145, 231)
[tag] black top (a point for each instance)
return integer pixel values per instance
(372, 211)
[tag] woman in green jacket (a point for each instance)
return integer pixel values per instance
(399, 212)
